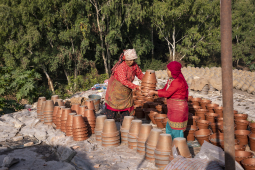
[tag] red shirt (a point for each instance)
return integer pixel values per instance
(126, 74)
(176, 90)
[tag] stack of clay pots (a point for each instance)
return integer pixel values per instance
(48, 112)
(59, 102)
(133, 133)
(151, 144)
(216, 139)
(39, 106)
(110, 134)
(203, 135)
(69, 124)
(42, 111)
(80, 131)
(63, 119)
(189, 132)
(248, 164)
(75, 108)
(144, 133)
(99, 127)
(54, 98)
(58, 117)
(163, 150)
(90, 104)
(124, 130)
(81, 110)
(159, 120)
(55, 111)
(182, 146)
(90, 119)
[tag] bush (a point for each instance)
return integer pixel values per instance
(153, 65)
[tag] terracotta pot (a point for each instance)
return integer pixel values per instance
(100, 122)
(89, 114)
(252, 127)
(216, 138)
(190, 97)
(211, 117)
(239, 147)
(138, 102)
(241, 124)
(248, 164)
(236, 143)
(182, 146)
(240, 116)
(219, 120)
(65, 114)
(54, 98)
(78, 121)
(201, 113)
(202, 124)
(59, 102)
(241, 155)
(192, 120)
(151, 116)
(210, 107)
(110, 145)
(75, 108)
(149, 77)
(252, 141)
(194, 108)
(40, 100)
(138, 93)
(164, 121)
(204, 102)
(144, 132)
(55, 111)
(135, 128)
(49, 106)
(189, 132)
(219, 111)
(90, 104)
(235, 111)
(151, 85)
(215, 127)
(203, 135)
(80, 139)
(153, 137)
(158, 119)
(126, 123)
(242, 136)
(164, 143)
(196, 101)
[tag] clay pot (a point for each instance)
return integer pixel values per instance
(138, 93)
(189, 132)
(241, 155)
(65, 114)
(158, 119)
(164, 121)
(89, 114)
(109, 126)
(235, 111)
(54, 98)
(210, 107)
(242, 136)
(149, 77)
(138, 102)
(216, 138)
(202, 124)
(55, 111)
(204, 102)
(252, 141)
(59, 102)
(211, 117)
(189, 98)
(81, 110)
(201, 113)
(144, 132)
(40, 100)
(153, 137)
(215, 127)
(203, 135)
(252, 127)
(239, 147)
(151, 116)
(192, 120)
(241, 124)
(80, 138)
(196, 101)
(49, 106)
(144, 84)
(135, 128)
(90, 104)
(78, 122)
(100, 122)
(248, 164)
(164, 143)
(194, 108)
(219, 120)
(126, 123)
(75, 108)
(181, 145)
(236, 143)
(219, 111)
(240, 116)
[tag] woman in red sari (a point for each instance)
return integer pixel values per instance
(119, 95)
(176, 92)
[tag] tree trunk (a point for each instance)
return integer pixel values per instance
(152, 50)
(173, 44)
(67, 77)
(50, 83)
(75, 73)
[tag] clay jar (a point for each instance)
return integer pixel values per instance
(240, 116)
(241, 155)
(204, 102)
(219, 111)
(201, 113)
(144, 132)
(252, 141)
(149, 77)
(196, 101)
(216, 138)
(252, 127)
(241, 124)
(75, 108)
(203, 124)
(216, 127)
(135, 128)
(90, 104)
(210, 107)
(211, 117)
(153, 138)
(182, 146)
(248, 164)
(189, 132)
(242, 136)
(54, 98)
(202, 135)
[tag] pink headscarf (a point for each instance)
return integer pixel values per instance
(175, 68)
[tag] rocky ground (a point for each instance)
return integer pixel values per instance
(27, 144)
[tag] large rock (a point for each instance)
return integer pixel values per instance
(66, 153)
(40, 134)
(9, 161)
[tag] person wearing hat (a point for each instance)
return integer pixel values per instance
(119, 95)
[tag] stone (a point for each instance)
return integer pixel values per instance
(9, 161)
(81, 164)
(4, 168)
(29, 144)
(17, 138)
(40, 135)
(2, 149)
(75, 147)
(97, 166)
(66, 153)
